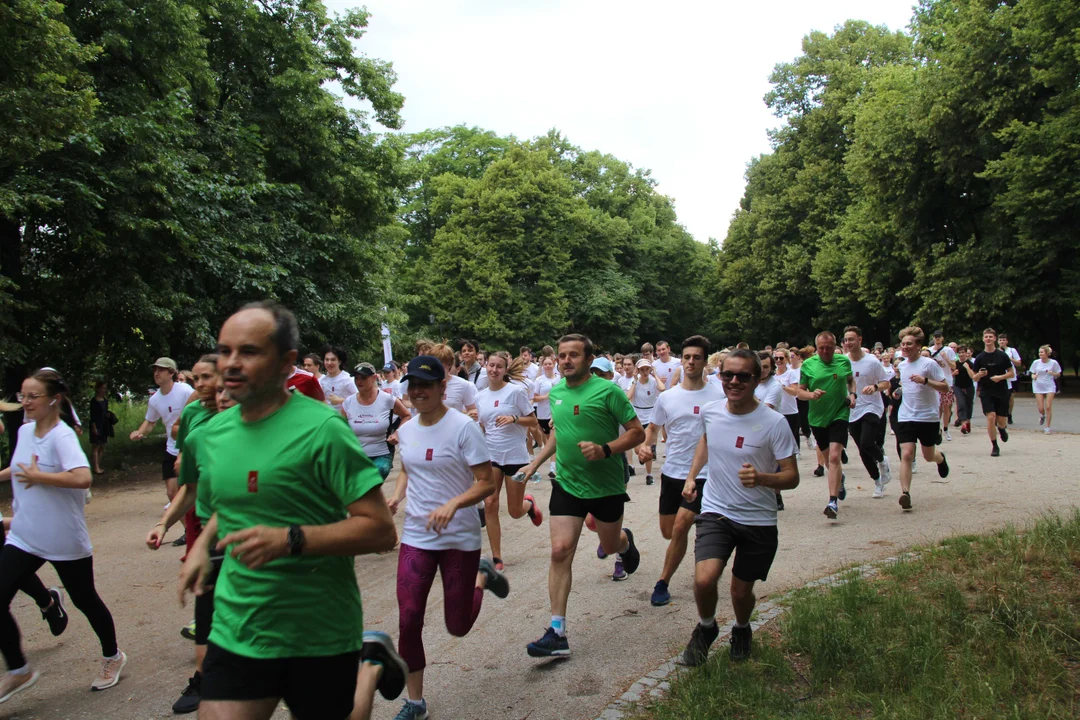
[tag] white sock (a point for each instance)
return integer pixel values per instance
(741, 625)
(707, 622)
(558, 624)
(114, 657)
(24, 670)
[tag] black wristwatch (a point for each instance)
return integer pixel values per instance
(607, 450)
(296, 540)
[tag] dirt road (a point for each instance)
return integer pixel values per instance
(615, 634)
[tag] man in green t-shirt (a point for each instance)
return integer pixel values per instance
(826, 380)
(292, 498)
(586, 412)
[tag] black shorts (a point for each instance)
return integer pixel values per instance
(926, 434)
(834, 432)
(204, 604)
(994, 404)
(168, 466)
(508, 470)
(606, 509)
(312, 687)
(545, 425)
(671, 498)
(754, 545)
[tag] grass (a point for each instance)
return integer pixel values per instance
(121, 451)
(985, 627)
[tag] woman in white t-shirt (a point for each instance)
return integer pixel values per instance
(337, 385)
(50, 475)
(370, 414)
(769, 391)
(1044, 372)
(789, 381)
(505, 414)
(547, 379)
(445, 472)
(643, 391)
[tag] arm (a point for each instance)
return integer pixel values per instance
(792, 389)
(400, 486)
(144, 429)
(805, 393)
(659, 384)
(77, 478)
(183, 501)
(786, 479)
(197, 566)
(470, 410)
(676, 377)
(701, 456)
(630, 390)
(547, 451)
(528, 421)
(483, 486)
(401, 411)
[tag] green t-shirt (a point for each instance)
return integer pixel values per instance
(300, 466)
(193, 415)
(833, 379)
(189, 469)
(593, 412)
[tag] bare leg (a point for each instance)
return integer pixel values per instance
(742, 599)
(491, 514)
(835, 468)
(366, 681)
(676, 549)
(907, 455)
(706, 575)
(565, 531)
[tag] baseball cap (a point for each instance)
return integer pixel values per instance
(365, 368)
(388, 366)
(643, 363)
(603, 365)
(938, 333)
(167, 363)
(425, 367)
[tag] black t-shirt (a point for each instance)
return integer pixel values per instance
(996, 363)
(962, 379)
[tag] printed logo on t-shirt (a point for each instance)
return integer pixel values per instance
(558, 402)
(577, 409)
(430, 454)
(739, 441)
(648, 392)
(835, 376)
(856, 373)
(170, 409)
(697, 409)
(496, 403)
(253, 481)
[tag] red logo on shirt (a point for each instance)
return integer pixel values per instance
(739, 441)
(253, 481)
(577, 409)
(496, 403)
(170, 409)
(430, 454)
(856, 373)
(697, 409)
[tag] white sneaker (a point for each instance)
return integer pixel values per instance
(914, 465)
(110, 672)
(798, 455)
(885, 472)
(879, 489)
(10, 683)
(948, 435)
(1046, 431)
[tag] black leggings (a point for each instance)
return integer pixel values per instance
(31, 585)
(793, 423)
(804, 417)
(865, 432)
(78, 579)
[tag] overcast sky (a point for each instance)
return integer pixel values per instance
(674, 87)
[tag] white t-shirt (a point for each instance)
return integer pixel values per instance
(167, 408)
(665, 370)
(341, 385)
(439, 460)
(532, 370)
(543, 386)
(867, 371)
(942, 358)
(890, 372)
(714, 379)
(49, 522)
(371, 422)
(761, 438)
(458, 396)
(680, 411)
(623, 382)
(506, 444)
(644, 399)
(789, 405)
(1044, 382)
(770, 392)
(920, 403)
(1015, 357)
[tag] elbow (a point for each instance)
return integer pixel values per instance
(387, 536)
(488, 486)
(82, 479)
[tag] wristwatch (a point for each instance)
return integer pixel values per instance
(607, 450)
(295, 540)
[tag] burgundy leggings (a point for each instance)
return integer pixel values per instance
(461, 597)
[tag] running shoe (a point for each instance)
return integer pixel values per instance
(649, 480)
(55, 614)
(1042, 419)
(496, 581)
(879, 489)
(798, 455)
(180, 541)
(600, 551)
(995, 452)
(914, 465)
(551, 645)
(1046, 431)
(188, 631)
(885, 471)
(632, 471)
(660, 594)
(110, 672)
(551, 476)
(1004, 434)
(631, 558)
(413, 711)
(378, 648)
(832, 510)
(697, 650)
(11, 683)
(905, 500)
(948, 435)
(843, 456)
(190, 698)
(779, 502)
(943, 467)
(1010, 419)
(619, 573)
(965, 429)
(843, 487)
(957, 423)
(535, 513)
(819, 471)
(741, 640)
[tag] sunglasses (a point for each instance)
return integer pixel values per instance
(743, 377)
(779, 358)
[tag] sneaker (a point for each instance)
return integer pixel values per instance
(649, 480)
(885, 472)
(914, 465)
(943, 467)
(413, 711)
(1004, 434)
(600, 553)
(741, 639)
(10, 683)
(180, 541)
(1046, 431)
(631, 558)
(948, 436)
(779, 502)
(55, 614)
(798, 455)
(1010, 419)
(660, 594)
(957, 423)
(1042, 419)
(535, 513)
(496, 581)
(819, 471)
(879, 489)
(632, 471)
(905, 500)
(813, 442)
(965, 429)
(551, 645)
(995, 452)
(620, 572)
(110, 672)
(697, 650)
(379, 648)
(551, 476)
(843, 457)
(832, 510)
(843, 487)
(189, 699)
(188, 631)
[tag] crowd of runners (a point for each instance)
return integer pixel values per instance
(274, 464)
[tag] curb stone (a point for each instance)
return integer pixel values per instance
(653, 685)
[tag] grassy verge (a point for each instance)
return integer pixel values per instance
(121, 451)
(985, 627)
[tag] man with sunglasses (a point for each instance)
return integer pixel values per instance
(742, 439)
(867, 415)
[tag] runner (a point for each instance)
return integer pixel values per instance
(313, 364)
(679, 411)
(307, 383)
(945, 356)
(586, 413)
(505, 411)
(165, 405)
(964, 389)
(769, 391)
(918, 418)
(798, 357)
(1044, 372)
(336, 383)
(444, 470)
(666, 367)
(1014, 357)
(49, 476)
(789, 404)
(647, 353)
(868, 416)
(991, 370)
(471, 368)
(738, 507)
(545, 381)
(827, 382)
(371, 414)
(294, 499)
(644, 389)
(531, 369)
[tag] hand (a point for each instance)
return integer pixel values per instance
(918, 379)
(591, 451)
(392, 440)
(29, 476)
(997, 378)
(258, 545)
(441, 517)
(645, 454)
(817, 394)
(136, 435)
(748, 476)
(851, 400)
(503, 420)
(194, 573)
(155, 536)
(335, 399)
(869, 390)
(473, 414)
(689, 490)
(393, 504)
(897, 393)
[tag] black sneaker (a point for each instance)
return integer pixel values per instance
(697, 650)
(741, 639)
(496, 581)
(1010, 419)
(819, 471)
(631, 558)
(483, 517)
(1004, 434)
(551, 476)
(843, 456)
(995, 452)
(379, 648)
(779, 502)
(551, 645)
(905, 500)
(180, 541)
(648, 479)
(943, 467)
(843, 487)
(632, 471)
(189, 699)
(55, 615)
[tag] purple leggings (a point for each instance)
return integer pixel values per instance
(461, 597)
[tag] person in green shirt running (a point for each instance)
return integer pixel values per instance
(292, 499)
(826, 380)
(586, 412)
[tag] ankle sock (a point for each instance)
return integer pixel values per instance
(558, 624)
(832, 498)
(24, 670)
(741, 625)
(708, 622)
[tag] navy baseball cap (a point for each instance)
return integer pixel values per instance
(425, 367)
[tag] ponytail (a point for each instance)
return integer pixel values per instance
(56, 387)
